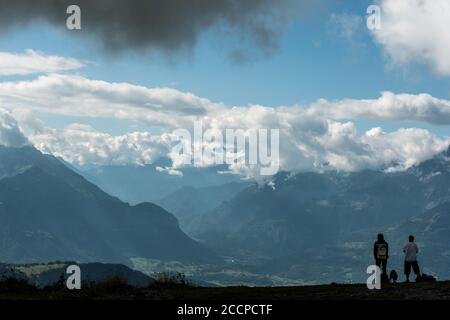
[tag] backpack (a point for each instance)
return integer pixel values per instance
(381, 251)
(426, 278)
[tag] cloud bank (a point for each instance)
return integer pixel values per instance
(78, 96)
(305, 145)
(74, 95)
(316, 137)
(389, 107)
(81, 144)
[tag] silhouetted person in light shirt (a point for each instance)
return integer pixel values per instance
(411, 250)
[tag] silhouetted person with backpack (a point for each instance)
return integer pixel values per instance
(411, 250)
(381, 253)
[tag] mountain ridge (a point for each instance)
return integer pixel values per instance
(48, 212)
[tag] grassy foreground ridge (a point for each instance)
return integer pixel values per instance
(118, 289)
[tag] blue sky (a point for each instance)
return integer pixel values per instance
(314, 60)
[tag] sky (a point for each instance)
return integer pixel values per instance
(342, 95)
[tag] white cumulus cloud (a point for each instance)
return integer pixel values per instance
(416, 31)
(388, 107)
(78, 96)
(81, 144)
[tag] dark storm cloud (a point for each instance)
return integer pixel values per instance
(168, 25)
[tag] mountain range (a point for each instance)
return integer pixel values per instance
(322, 225)
(304, 227)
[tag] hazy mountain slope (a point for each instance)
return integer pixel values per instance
(432, 227)
(310, 210)
(432, 232)
(188, 204)
(48, 213)
(136, 184)
(265, 221)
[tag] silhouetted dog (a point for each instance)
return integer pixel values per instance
(393, 276)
